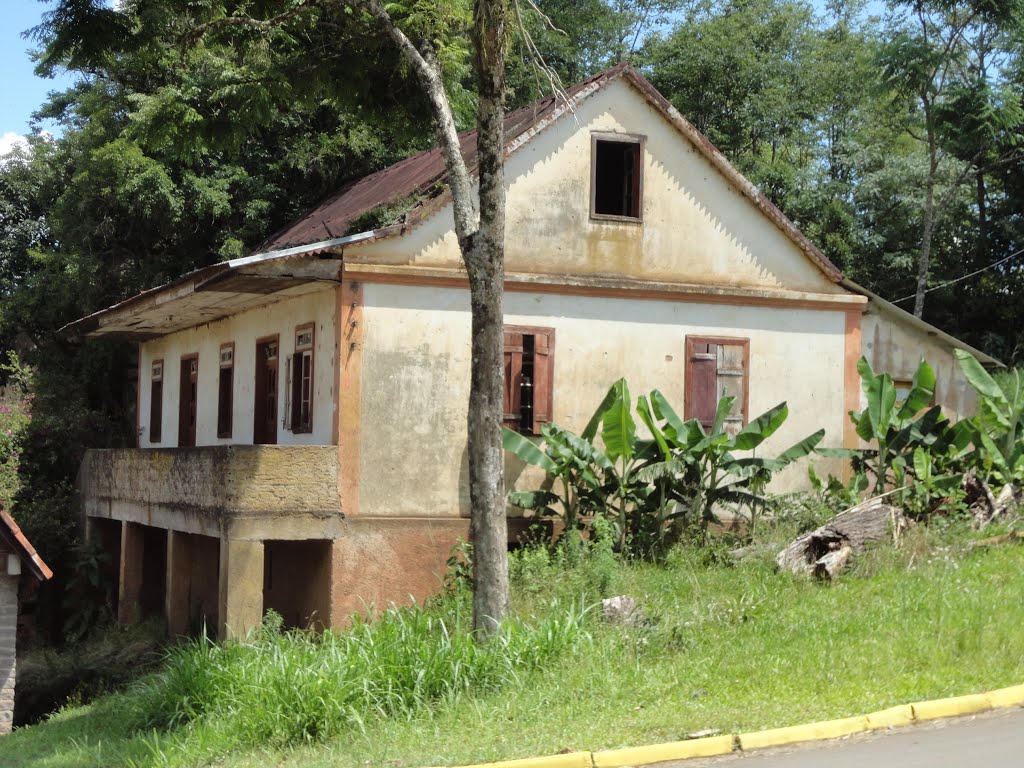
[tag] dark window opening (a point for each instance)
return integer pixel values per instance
(617, 176)
(188, 401)
(302, 381)
(225, 390)
(265, 410)
(156, 402)
(529, 369)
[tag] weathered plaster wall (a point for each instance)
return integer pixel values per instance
(244, 329)
(894, 346)
(258, 491)
(379, 562)
(416, 377)
(8, 637)
(697, 227)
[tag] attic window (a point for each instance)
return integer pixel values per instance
(616, 187)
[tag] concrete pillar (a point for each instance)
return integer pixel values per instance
(130, 573)
(240, 607)
(178, 582)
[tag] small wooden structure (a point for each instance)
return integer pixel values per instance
(17, 557)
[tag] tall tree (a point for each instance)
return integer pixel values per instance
(937, 59)
(426, 36)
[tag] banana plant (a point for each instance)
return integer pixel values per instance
(576, 467)
(649, 488)
(897, 428)
(999, 425)
(929, 489)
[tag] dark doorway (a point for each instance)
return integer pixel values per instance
(189, 395)
(265, 424)
(297, 581)
(153, 589)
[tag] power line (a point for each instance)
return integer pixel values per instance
(965, 277)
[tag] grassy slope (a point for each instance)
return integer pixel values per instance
(731, 648)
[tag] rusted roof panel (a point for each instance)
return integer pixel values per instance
(14, 537)
(422, 174)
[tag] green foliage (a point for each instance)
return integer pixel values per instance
(949, 611)
(15, 416)
(652, 489)
(898, 428)
(297, 687)
(998, 428)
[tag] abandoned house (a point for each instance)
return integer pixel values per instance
(301, 411)
(18, 561)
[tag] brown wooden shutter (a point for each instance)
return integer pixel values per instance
(701, 381)
(511, 407)
(543, 378)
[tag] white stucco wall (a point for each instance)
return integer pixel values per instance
(243, 329)
(697, 227)
(416, 377)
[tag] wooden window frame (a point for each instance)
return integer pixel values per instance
(689, 380)
(299, 422)
(617, 138)
(182, 422)
(543, 404)
(225, 402)
(156, 401)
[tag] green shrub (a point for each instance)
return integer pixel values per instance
(278, 688)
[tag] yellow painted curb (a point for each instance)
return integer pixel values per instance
(952, 707)
(1007, 697)
(568, 760)
(903, 714)
(830, 729)
(894, 717)
(658, 753)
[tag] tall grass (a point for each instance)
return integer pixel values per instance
(281, 689)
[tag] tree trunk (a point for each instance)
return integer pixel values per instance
(981, 198)
(485, 263)
(482, 243)
(927, 227)
(820, 552)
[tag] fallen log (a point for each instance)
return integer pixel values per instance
(986, 507)
(824, 551)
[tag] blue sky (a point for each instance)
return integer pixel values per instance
(21, 92)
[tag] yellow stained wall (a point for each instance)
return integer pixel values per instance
(697, 227)
(416, 377)
(243, 329)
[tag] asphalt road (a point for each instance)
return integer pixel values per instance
(992, 740)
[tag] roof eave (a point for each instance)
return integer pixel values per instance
(921, 325)
(16, 539)
(193, 281)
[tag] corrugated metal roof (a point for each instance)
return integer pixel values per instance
(423, 174)
(13, 535)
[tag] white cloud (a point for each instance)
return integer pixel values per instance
(10, 140)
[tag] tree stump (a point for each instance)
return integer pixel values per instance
(824, 551)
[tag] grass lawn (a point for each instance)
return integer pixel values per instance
(731, 647)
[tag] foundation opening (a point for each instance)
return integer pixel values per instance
(297, 582)
(153, 589)
(106, 534)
